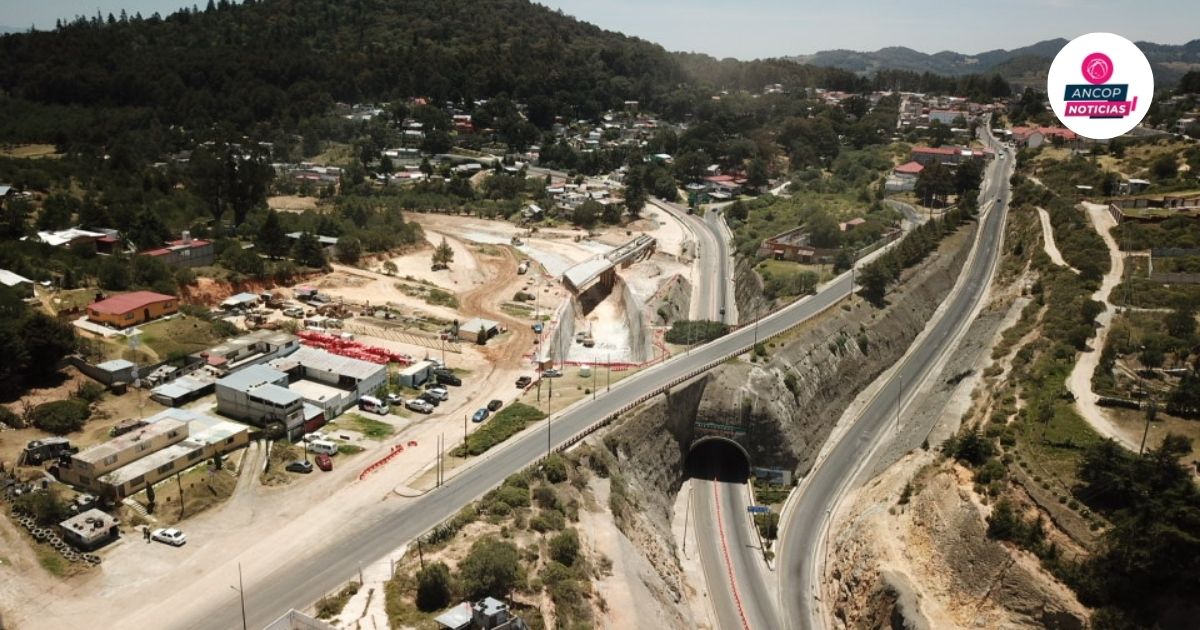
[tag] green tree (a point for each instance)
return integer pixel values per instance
(349, 249)
(756, 174)
(491, 568)
(308, 252)
(271, 240)
(433, 587)
(874, 281)
(443, 254)
(114, 274)
(48, 341)
(823, 230)
(586, 213)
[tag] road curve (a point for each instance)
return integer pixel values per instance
(802, 535)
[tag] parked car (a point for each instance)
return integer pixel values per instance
(324, 462)
(441, 393)
(494, 405)
(315, 435)
(169, 535)
(294, 313)
(300, 466)
(395, 399)
(480, 415)
(552, 373)
(537, 328)
(523, 382)
(419, 406)
(430, 398)
(448, 379)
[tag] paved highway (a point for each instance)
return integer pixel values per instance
(712, 289)
(803, 534)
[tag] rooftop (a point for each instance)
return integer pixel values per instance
(90, 524)
(151, 462)
(118, 444)
(315, 359)
(62, 237)
(252, 376)
(127, 302)
(10, 279)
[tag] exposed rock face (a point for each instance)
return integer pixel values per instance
(786, 406)
(748, 291)
(932, 559)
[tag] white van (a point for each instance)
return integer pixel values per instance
(322, 447)
(374, 405)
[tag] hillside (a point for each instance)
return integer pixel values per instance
(288, 60)
(1026, 64)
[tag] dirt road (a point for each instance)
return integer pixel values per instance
(1080, 380)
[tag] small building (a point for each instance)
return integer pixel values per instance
(90, 530)
(115, 371)
(86, 467)
(328, 243)
(909, 170)
(457, 618)
(183, 390)
(241, 300)
(252, 348)
(185, 252)
(259, 395)
(131, 309)
(416, 375)
(105, 242)
(331, 382)
(20, 284)
(478, 330)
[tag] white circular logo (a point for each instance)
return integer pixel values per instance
(1100, 85)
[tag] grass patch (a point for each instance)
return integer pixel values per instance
(330, 607)
(506, 423)
(371, 429)
(180, 335)
(52, 561)
(349, 449)
(769, 493)
(784, 279)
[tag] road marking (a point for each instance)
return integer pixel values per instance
(737, 599)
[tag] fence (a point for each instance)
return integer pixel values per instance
(403, 336)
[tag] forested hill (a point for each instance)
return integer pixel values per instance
(286, 60)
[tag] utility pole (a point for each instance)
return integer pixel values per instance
(1151, 413)
(594, 366)
(464, 430)
(608, 375)
(420, 555)
(241, 590)
(550, 399)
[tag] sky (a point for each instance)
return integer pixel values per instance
(749, 29)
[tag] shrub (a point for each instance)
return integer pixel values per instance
(695, 332)
(433, 587)
(554, 468)
(10, 418)
(491, 568)
(564, 548)
(547, 521)
(61, 416)
(522, 296)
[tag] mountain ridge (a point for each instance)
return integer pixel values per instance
(1026, 64)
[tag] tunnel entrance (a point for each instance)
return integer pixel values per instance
(718, 458)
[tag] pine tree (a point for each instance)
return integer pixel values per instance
(271, 239)
(308, 251)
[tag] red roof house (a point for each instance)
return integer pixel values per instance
(131, 309)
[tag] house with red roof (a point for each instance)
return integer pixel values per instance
(1034, 137)
(131, 309)
(909, 170)
(185, 252)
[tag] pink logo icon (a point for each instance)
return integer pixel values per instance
(1097, 68)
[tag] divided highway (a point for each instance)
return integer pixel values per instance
(803, 531)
